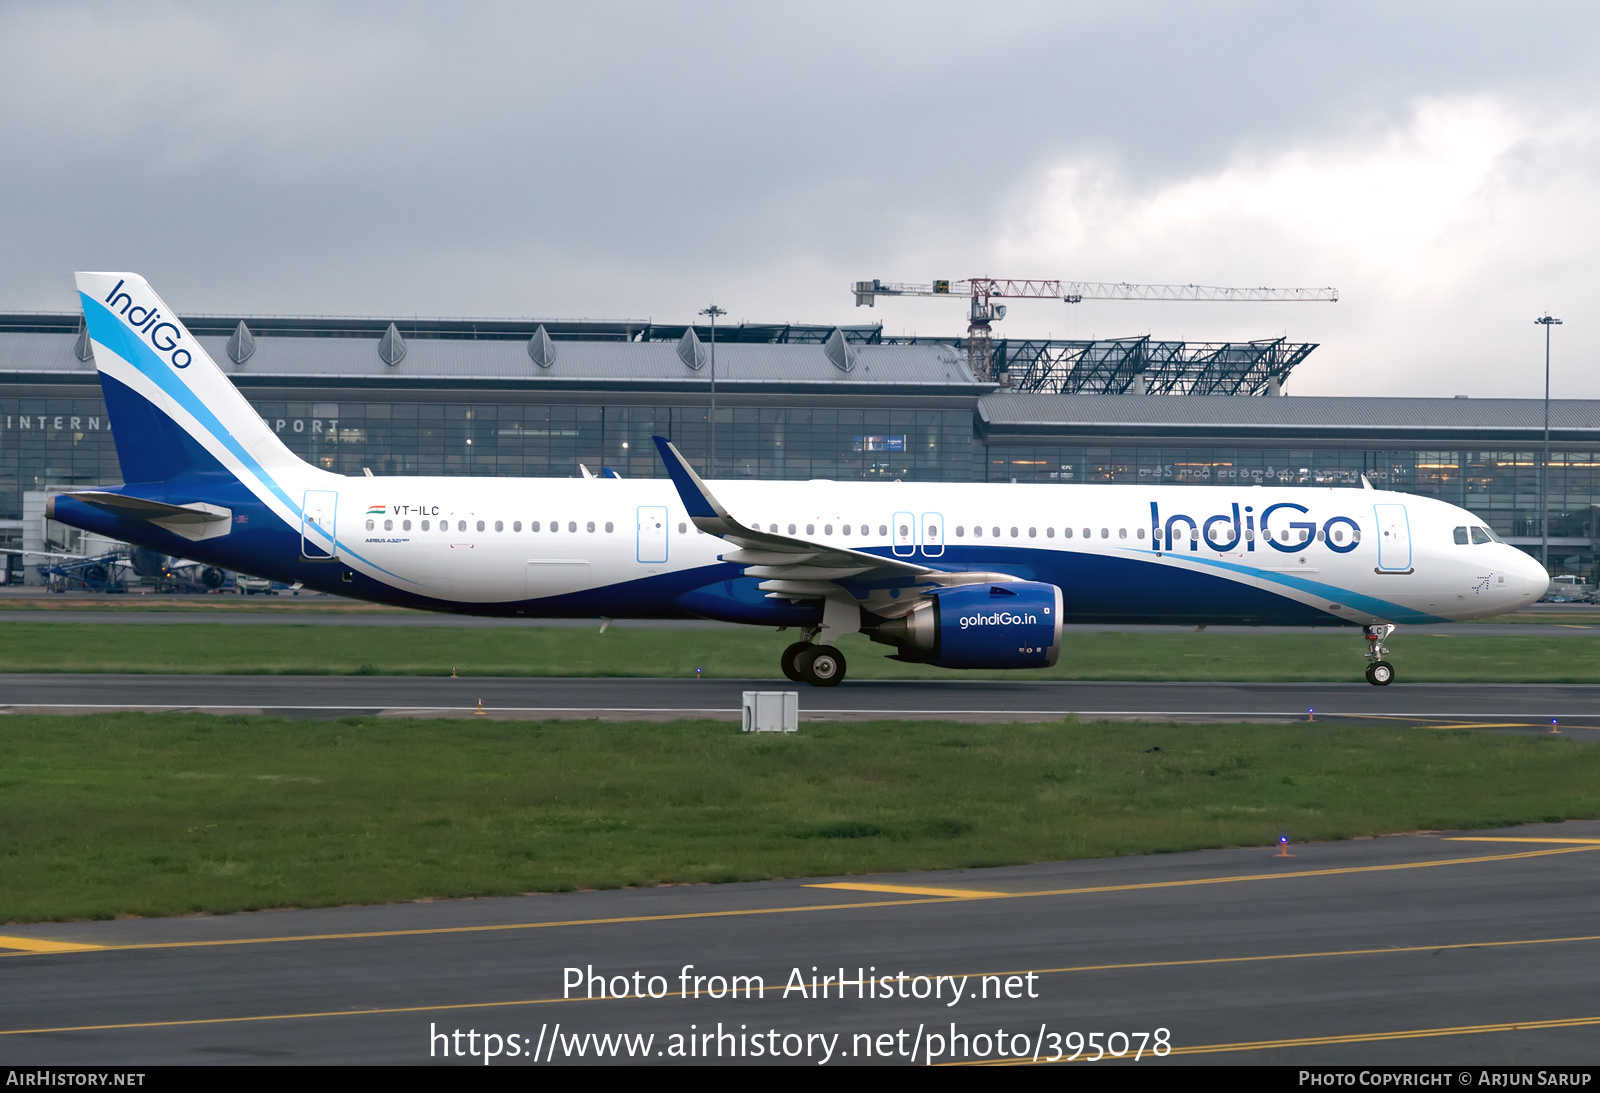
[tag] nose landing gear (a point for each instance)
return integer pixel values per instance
(1380, 673)
(818, 665)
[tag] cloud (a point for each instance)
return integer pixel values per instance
(1446, 232)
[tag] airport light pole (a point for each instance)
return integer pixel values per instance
(1544, 467)
(713, 311)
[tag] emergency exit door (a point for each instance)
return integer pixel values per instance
(318, 513)
(652, 533)
(1394, 538)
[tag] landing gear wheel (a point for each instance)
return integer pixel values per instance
(821, 665)
(790, 658)
(1380, 673)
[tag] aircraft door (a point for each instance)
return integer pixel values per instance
(1394, 538)
(905, 534)
(318, 516)
(932, 534)
(652, 533)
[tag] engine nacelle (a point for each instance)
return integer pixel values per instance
(1011, 625)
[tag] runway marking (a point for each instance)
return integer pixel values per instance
(965, 897)
(1584, 842)
(1322, 1041)
(907, 890)
(40, 945)
(276, 708)
(1037, 971)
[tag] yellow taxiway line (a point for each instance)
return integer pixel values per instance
(1075, 969)
(913, 899)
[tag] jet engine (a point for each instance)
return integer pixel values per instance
(1011, 625)
(147, 562)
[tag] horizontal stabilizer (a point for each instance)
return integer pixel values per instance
(193, 521)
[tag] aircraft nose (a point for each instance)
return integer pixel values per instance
(1532, 580)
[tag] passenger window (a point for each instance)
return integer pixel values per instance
(1087, 533)
(846, 529)
(1250, 534)
(961, 531)
(591, 525)
(555, 526)
(1122, 533)
(1049, 533)
(572, 525)
(865, 530)
(1013, 533)
(424, 525)
(1141, 533)
(1460, 536)
(1066, 533)
(883, 530)
(811, 529)
(1338, 535)
(996, 532)
(1480, 536)
(1033, 533)
(461, 525)
(608, 527)
(904, 531)
(1105, 533)
(371, 525)
(405, 525)
(533, 525)
(682, 527)
(499, 525)
(977, 532)
(791, 529)
(516, 525)
(480, 525)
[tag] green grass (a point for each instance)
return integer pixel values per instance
(152, 814)
(753, 653)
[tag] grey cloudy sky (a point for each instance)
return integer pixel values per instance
(1439, 163)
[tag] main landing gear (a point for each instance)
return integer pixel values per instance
(818, 665)
(1380, 673)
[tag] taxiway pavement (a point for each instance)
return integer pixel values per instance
(1470, 948)
(1508, 707)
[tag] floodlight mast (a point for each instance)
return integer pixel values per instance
(983, 291)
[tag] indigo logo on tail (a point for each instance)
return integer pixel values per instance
(163, 335)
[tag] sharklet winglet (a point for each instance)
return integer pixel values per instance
(697, 499)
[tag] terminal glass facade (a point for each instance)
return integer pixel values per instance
(68, 442)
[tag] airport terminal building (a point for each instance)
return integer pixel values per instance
(530, 398)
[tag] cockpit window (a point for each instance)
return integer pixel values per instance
(1481, 535)
(1461, 536)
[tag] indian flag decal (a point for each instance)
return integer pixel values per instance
(376, 510)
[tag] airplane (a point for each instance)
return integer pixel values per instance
(948, 574)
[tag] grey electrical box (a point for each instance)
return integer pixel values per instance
(771, 711)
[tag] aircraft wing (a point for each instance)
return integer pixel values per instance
(786, 566)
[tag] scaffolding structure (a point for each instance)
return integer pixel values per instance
(1123, 366)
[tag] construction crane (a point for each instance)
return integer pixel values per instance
(984, 291)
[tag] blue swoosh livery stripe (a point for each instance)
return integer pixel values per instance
(112, 333)
(1370, 604)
